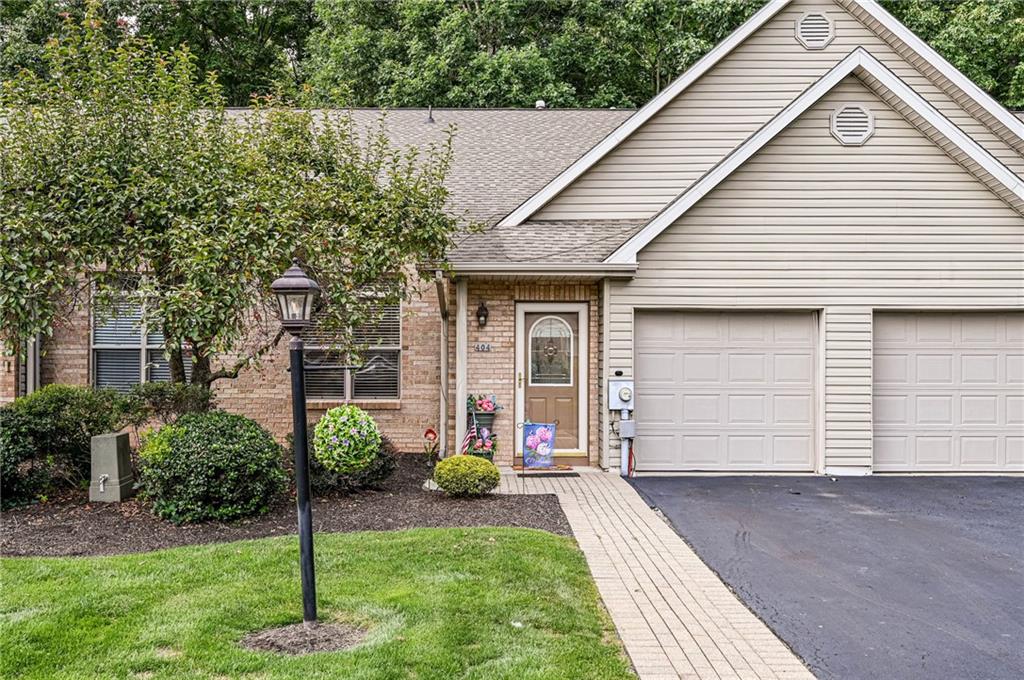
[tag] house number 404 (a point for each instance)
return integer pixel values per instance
(482, 347)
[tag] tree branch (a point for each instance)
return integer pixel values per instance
(236, 368)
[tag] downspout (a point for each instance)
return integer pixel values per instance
(442, 423)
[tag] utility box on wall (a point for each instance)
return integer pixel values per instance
(111, 479)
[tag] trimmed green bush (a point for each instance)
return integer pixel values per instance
(466, 475)
(211, 466)
(346, 440)
(371, 477)
(22, 475)
(46, 437)
(165, 401)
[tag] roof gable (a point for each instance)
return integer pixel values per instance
(637, 179)
(961, 146)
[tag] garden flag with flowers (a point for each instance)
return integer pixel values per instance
(538, 445)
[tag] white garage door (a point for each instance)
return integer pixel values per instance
(729, 391)
(949, 392)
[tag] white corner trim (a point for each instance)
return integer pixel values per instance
(645, 113)
(858, 59)
(937, 61)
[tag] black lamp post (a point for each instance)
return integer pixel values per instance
(296, 293)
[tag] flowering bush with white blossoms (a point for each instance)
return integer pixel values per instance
(346, 440)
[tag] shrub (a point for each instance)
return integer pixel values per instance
(371, 477)
(23, 476)
(211, 466)
(165, 401)
(346, 440)
(58, 423)
(466, 475)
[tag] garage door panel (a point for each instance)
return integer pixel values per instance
(960, 406)
(743, 399)
(795, 451)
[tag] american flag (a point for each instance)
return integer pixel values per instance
(468, 439)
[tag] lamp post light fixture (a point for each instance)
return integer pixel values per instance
(296, 294)
(482, 314)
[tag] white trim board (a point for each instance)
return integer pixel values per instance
(583, 400)
(859, 59)
(674, 89)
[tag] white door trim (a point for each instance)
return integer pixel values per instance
(582, 308)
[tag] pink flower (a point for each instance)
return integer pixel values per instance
(532, 441)
(430, 435)
(487, 405)
(544, 434)
(487, 443)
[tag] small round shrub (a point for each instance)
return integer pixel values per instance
(346, 440)
(211, 466)
(371, 477)
(466, 475)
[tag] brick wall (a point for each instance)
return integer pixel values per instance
(65, 355)
(264, 392)
(494, 371)
(8, 378)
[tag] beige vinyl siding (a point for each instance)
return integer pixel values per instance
(810, 224)
(728, 104)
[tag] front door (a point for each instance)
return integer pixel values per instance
(551, 372)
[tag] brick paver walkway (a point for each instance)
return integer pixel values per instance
(675, 617)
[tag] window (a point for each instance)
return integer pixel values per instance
(551, 348)
(124, 353)
(378, 376)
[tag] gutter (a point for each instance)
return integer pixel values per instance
(540, 269)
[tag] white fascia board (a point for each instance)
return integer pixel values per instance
(859, 58)
(540, 269)
(645, 113)
(937, 61)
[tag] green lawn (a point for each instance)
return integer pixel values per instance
(440, 603)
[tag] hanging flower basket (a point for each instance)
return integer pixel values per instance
(481, 409)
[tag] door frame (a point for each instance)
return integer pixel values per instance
(583, 352)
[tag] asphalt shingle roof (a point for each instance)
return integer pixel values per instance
(501, 157)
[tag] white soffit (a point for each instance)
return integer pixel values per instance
(858, 59)
(871, 7)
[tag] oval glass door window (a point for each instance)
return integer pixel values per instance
(551, 349)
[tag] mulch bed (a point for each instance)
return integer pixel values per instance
(300, 638)
(70, 525)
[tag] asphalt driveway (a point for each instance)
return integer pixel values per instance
(869, 577)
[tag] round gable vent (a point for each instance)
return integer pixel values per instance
(852, 125)
(814, 30)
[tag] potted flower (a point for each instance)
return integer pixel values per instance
(482, 408)
(485, 445)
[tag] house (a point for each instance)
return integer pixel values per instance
(806, 254)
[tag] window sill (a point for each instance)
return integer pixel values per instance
(365, 404)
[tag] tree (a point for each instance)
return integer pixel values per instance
(982, 38)
(123, 171)
(253, 45)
